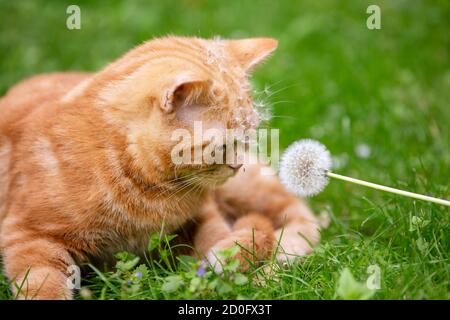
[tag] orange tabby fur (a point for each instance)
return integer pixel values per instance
(85, 167)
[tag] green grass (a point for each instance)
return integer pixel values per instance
(331, 79)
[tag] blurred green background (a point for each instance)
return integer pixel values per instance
(379, 99)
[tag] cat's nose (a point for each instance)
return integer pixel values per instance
(235, 167)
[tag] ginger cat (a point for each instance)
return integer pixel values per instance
(85, 166)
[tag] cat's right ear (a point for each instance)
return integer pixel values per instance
(183, 91)
(252, 51)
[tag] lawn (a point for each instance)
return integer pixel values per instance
(379, 100)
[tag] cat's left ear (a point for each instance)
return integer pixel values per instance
(183, 90)
(251, 52)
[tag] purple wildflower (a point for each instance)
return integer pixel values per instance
(201, 269)
(136, 275)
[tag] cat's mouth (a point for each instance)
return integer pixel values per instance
(219, 175)
(208, 176)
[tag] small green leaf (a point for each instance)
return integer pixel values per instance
(240, 279)
(213, 284)
(195, 283)
(124, 256)
(153, 242)
(172, 283)
(234, 250)
(417, 223)
(163, 254)
(422, 244)
(188, 260)
(127, 265)
(350, 289)
(229, 252)
(223, 287)
(232, 266)
(170, 237)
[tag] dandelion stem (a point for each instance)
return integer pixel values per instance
(388, 189)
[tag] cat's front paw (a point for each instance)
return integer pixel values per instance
(296, 241)
(254, 246)
(43, 283)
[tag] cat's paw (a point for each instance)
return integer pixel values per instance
(296, 241)
(254, 246)
(43, 283)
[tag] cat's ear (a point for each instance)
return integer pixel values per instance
(185, 89)
(251, 52)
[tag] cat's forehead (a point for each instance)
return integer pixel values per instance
(216, 54)
(226, 70)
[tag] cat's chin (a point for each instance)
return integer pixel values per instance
(213, 183)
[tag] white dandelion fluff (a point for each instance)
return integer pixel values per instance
(303, 167)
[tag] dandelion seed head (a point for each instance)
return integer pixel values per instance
(303, 166)
(263, 110)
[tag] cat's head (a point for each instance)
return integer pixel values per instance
(158, 92)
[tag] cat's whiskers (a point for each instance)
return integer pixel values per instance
(188, 184)
(182, 182)
(191, 191)
(192, 181)
(173, 184)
